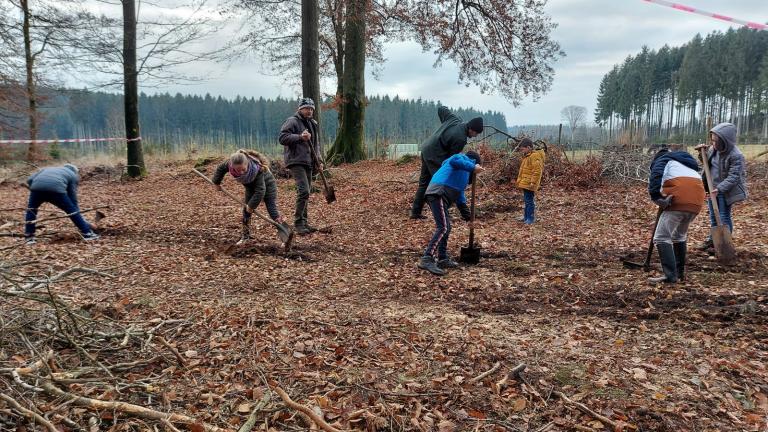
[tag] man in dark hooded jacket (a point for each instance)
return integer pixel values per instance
(298, 133)
(729, 175)
(449, 139)
(675, 186)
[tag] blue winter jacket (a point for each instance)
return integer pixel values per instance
(63, 179)
(453, 176)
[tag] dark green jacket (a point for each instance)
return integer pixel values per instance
(254, 190)
(448, 140)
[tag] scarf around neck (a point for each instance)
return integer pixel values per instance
(248, 176)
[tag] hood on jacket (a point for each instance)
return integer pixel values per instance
(684, 158)
(71, 167)
(727, 134)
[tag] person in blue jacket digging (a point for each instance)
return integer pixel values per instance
(446, 188)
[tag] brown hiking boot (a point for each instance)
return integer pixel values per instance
(246, 234)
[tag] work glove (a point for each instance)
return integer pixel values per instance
(663, 203)
(466, 214)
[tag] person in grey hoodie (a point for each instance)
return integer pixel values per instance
(729, 175)
(298, 133)
(58, 186)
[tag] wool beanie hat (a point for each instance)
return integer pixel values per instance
(306, 103)
(473, 155)
(476, 124)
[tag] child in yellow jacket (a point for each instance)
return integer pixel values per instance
(529, 177)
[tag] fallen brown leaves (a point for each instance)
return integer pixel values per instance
(352, 331)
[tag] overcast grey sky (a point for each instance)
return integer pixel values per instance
(595, 35)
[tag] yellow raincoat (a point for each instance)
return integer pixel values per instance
(531, 169)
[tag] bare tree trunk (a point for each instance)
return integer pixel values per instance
(310, 52)
(136, 167)
(32, 151)
(339, 27)
(350, 140)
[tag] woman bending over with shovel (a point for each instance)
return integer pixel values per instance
(447, 187)
(251, 169)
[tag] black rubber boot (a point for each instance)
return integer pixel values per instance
(429, 264)
(301, 229)
(668, 264)
(681, 250)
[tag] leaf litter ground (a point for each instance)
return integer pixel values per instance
(348, 325)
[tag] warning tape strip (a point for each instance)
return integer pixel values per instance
(71, 140)
(678, 6)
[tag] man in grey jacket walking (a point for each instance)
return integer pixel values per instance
(58, 186)
(298, 133)
(729, 175)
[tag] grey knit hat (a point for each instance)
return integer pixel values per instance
(306, 103)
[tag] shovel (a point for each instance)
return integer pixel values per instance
(471, 254)
(721, 235)
(284, 231)
(328, 191)
(646, 266)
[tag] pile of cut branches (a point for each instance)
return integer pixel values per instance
(74, 367)
(503, 166)
(625, 165)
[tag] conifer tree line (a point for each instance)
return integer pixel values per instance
(666, 94)
(177, 122)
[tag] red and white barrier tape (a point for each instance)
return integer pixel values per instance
(678, 6)
(71, 140)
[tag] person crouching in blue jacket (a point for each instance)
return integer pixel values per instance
(58, 186)
(446, 188)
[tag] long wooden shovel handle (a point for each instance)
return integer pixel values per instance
(239, 201)
(712, 200)
(472, 212)
(317, 159)
(648, 255)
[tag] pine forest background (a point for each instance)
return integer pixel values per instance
(666, 95)
(173, 124)
(655, 96)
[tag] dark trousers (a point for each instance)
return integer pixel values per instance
(427, 171)
(529, 215)
(302, 175)
(439, 242)
(60, 200)
(270, 202)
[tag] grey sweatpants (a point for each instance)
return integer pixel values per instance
(673, 227)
